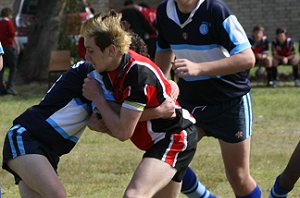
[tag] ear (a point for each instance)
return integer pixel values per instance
(112, 50)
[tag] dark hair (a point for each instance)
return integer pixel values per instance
(138, 45)
(258, 28)
(5, 12)
(144, 5)
(128, 2)
(281, 30)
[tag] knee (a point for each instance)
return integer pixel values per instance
(133, 193)
(238, 178)
(58, 192)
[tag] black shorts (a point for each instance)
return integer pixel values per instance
(18, 142)
(177, 150)
(229, 121)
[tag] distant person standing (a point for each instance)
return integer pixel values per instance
(1, 59)
(11, 50)
(284, 53)
(137, 22)
(150, 39)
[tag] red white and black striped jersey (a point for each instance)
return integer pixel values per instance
(138, 84)
(283, 49)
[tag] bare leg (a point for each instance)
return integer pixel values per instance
(151, 176)
(38, 175)
(27, 192)
(291, 173)
(236, 161)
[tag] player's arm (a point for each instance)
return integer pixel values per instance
(236, 63)
(164, 60)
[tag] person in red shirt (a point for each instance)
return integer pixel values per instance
(283, 51)
(11, 50)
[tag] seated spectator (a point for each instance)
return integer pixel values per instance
(260, 47)
(1, 59)
(283, 51)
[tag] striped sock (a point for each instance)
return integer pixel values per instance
(193, 188)
(277, 191)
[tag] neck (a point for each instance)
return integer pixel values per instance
(187, 7)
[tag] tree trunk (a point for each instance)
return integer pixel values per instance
(43, 38)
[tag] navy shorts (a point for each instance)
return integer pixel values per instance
(18, 142)
(229, 121)
(177, 150)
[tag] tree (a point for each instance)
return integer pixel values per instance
(43, 38)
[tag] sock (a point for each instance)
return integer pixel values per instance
(256, 193)
(277, 191)
(193, 188)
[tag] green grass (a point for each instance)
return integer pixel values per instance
(100, 166)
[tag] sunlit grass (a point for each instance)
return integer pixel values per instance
(100, 166)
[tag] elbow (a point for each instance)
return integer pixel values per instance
(249, 60)
(123, 138)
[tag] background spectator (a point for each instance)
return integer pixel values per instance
(150, 39)
(260, 47)
(283, 51)
(11, 50)
(137, 22)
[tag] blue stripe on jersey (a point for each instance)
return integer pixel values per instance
(236, 33)
(84, 105)
(194, 47)
(248, 114)
(61, 131)
(108, 95)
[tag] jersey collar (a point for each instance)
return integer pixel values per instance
(172, 13)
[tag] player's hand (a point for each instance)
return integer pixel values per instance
(91, 89)
(285, 60)
(95, 123)
(185, 68)
(167, 108)
(175, 90)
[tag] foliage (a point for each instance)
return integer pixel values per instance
(101, 166)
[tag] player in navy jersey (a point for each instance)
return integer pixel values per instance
(284, 53)
(260, 47)
(45, 131)
(138, 84)
(212, 56)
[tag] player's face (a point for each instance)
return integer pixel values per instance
(258, 35)
(281, 37)
(98, 58)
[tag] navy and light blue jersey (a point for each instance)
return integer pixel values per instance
(61, 117)
(211, 32)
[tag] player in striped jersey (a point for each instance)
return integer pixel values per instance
(50, 129)
(137, 84)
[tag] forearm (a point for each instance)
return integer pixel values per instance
(110, 117)
(164, 59)
(233, 64)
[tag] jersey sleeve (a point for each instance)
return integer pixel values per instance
(143, 88)
(227, 30)
(162, 44)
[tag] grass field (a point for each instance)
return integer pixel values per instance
(101, 167)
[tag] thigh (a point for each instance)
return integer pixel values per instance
(236, 157)
(36, 172)
(151, 176)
